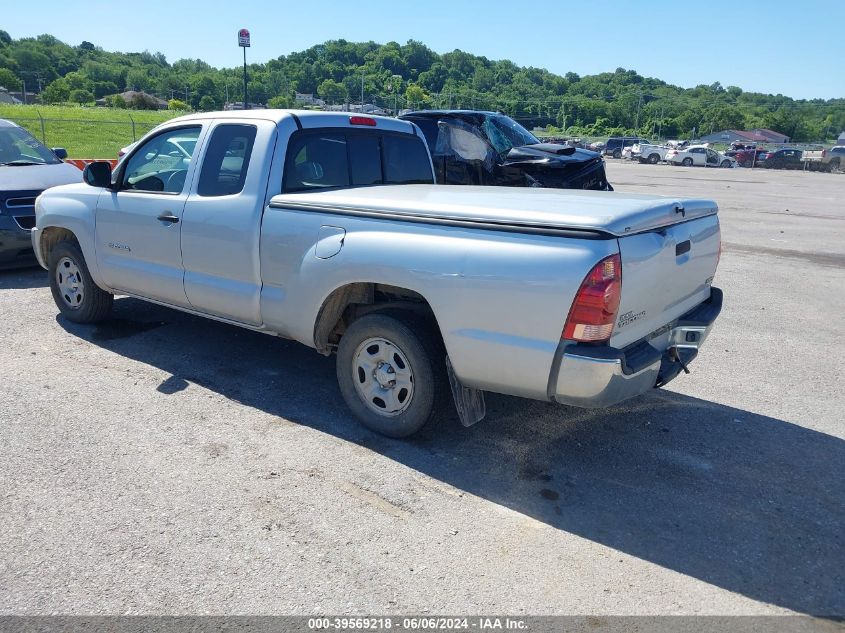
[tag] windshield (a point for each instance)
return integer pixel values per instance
(19, 146)
(505, 133)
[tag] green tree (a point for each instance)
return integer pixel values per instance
(332, 91)
(207, 104)
(56, 92)
(116, 101)
(415, 95)
(9, 80)
(280, 101)
(81, 96)
(177, 104)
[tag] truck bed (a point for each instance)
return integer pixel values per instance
(601, 213)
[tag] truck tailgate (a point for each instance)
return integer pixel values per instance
(665, 273)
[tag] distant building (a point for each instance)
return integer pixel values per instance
(841, 139)
(367, 108)
(29, 98)
(308, 99)
(6, 97)
(130, 94)
(746, 136)
(239, 105)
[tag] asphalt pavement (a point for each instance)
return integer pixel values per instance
(164, 463)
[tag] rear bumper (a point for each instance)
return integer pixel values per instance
(595, 376)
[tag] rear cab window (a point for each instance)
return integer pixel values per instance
(333, 158)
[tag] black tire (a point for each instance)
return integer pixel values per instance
(745, 163)
(419, 353)
(654, 159)
(687, 162)
(725, 164)
(834, 165)
(617, 153)
(91, 303)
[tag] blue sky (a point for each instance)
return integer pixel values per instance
(757, 46)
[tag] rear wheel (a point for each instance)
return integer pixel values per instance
(833, 166)
(687, 162)
(386, 375)
(617, 153)
(725, 163)
(654, 159)
(78, 298)
(745, 163)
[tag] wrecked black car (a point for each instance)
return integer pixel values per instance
(489, 148)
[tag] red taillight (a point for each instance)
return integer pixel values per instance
(362, 120)
(594, 309)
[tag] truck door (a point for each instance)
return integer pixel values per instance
(138, 222)
(222, 220)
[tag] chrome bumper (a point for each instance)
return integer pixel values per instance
(595, 376)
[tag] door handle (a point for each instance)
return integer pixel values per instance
(167, 216)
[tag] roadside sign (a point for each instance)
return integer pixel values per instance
(243, 38)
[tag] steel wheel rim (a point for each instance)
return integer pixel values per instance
(70, 283)
(383, 377)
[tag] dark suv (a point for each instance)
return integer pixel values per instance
(488, 148)
(616, 144)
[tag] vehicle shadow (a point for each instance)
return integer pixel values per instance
(23, 278)
(748, 503)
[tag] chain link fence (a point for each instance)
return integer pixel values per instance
(85, 137)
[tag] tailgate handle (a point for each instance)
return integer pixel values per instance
(682, 248)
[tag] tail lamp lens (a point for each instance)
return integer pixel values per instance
(594, 310)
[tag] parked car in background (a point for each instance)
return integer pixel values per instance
(616, 144)
(488, 148)
(574, 297)
(647, 153)
(747, 156)
(27, 168)
(598, 146)
(786, 158)
(699, 155)
(825, 159)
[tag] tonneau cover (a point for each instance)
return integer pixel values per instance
(611, 213)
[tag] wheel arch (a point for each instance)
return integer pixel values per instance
(348, 302)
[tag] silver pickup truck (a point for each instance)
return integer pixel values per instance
(327, 229)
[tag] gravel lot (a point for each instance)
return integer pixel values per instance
(162, 463)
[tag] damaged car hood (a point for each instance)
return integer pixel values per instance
(550, 152)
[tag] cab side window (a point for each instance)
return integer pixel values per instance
(226, 161)
(161, 164)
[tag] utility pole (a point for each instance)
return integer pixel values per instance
(243, 42)
(362, 92)
(637, 120)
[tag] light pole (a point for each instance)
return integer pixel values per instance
(243, 42)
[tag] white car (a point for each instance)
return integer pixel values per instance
(699, 155)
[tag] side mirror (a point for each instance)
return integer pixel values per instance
(97, 174)
(60, 152)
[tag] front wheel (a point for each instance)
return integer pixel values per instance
(725, 163)
(78, 298)
(617, 154)
(687, 162)
(386, 375)
(654, 159)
